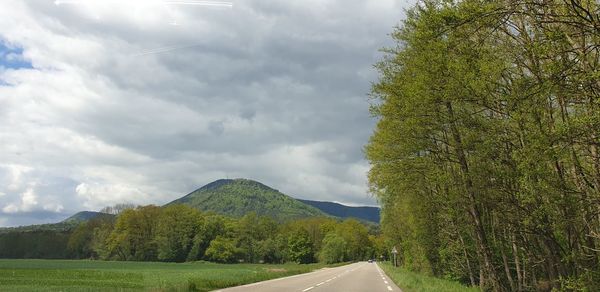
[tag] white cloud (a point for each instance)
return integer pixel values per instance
(54, 207)
(269, 90)
(15, 173)
(28, 202)
(97, 195)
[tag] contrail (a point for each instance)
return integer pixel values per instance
(60, 2)
(165, 2)
(201, 3)
(164, 50)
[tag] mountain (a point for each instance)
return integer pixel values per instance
(62, 226)
(58, 227)
(237, 197)
(84, 216)
(338, 210)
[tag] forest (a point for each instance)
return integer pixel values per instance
(486, 155)
(179, 233)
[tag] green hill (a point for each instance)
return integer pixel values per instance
(370, 214)
(62, 226)
(85, 216)
(59, 227)
(237, 197)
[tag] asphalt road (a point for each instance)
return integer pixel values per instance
(358, 277)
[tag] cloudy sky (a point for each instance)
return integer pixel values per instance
(105, 102)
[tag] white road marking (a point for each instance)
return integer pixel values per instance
(309, 288)
(253, 284)
(389, 288)
(385, 282)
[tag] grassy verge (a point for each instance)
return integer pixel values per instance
(414, 282)
(73, 275)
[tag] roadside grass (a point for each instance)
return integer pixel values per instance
(414, 282)
(84, 275)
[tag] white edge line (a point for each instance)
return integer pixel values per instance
(283, 278)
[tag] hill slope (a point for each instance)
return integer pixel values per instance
(237, 197)
(338, 210)
(62, 226)
(84, 216)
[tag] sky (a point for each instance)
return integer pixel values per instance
(106, 102)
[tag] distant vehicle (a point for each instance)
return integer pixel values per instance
(370, 261)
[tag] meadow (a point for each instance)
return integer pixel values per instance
(415, 282)
(85, 275)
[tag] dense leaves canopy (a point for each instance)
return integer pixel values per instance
(486, 156)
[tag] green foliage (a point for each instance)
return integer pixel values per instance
(270, 251)
(241, 196)
(223, 250)
(81, 240)
(252, 230)
(175, 232)
(133, 237)
(178, 233)
(486, 153)
(334, 248)
(100, 240)
(211, 227)
(43, 244)
(57, 227)
(85, 216)
(357, 240)
(300, 247)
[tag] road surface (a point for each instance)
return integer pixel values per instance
(358, 277)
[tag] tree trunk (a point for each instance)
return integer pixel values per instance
(481, 238)
(520, 278)
(464, 248)
(507, 270)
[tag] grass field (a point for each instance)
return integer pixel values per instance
(415, 282)
(81, 275)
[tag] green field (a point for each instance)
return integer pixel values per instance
(82, 275)
(415, 282)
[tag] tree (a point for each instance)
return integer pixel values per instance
(300, 247)
(251, 230)
(177, 227)
(356, 237)
(134, 234)
(334, 249)
(269, 251)
(211, 227)
(100, 240)
(222, 250)
(81, 241)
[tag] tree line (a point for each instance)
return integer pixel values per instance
(179, 233)
(486, 155)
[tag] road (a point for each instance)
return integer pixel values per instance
(358, 277)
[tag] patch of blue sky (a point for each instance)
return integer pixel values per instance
(11, 57)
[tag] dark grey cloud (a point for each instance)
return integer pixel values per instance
(130, 102)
